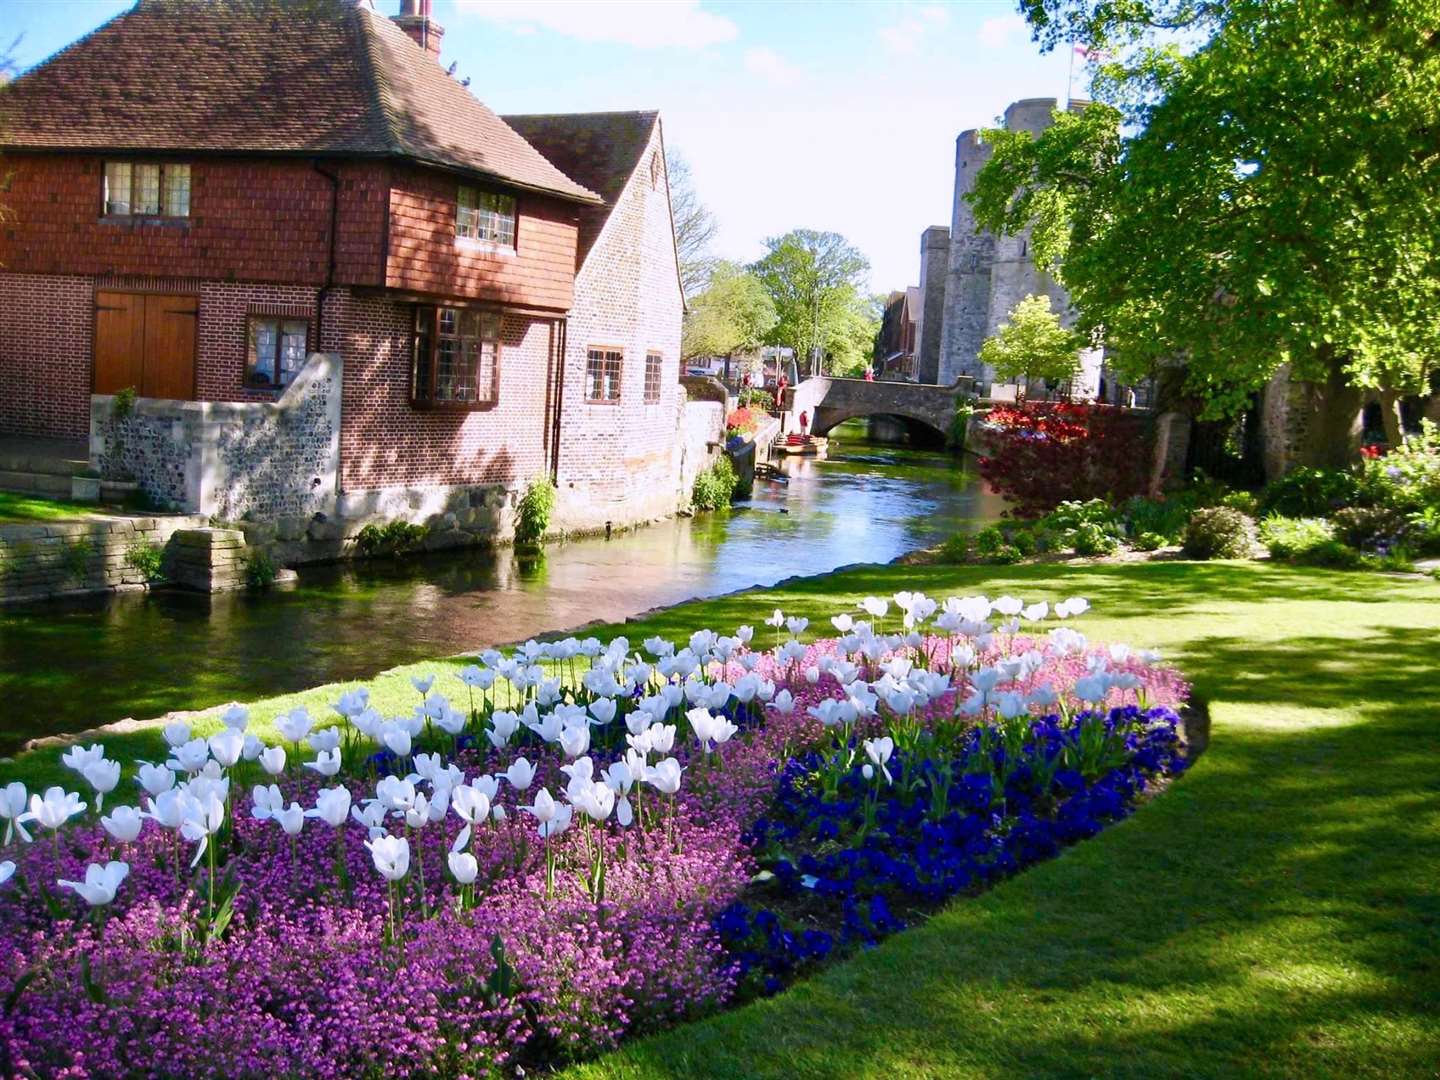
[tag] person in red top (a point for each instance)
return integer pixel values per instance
(869, 374)
(804, 423)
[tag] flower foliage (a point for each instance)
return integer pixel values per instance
(1041, 454)
(593, 840)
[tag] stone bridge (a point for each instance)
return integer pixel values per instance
(829, 400)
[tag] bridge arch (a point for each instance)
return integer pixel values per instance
(828, 401)
(826, 418)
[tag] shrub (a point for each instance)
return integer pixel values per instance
(1219, 532)
(260, 568)
(1148, 541)
(1307, 492)
(1332, 554)
(715, 486)
(1165, 518)
(532, 514)
(1091, 539)
(148, 558)
(1043, 454)
(755, 398)
(1287, 538)
(1366, 526)
(393, 538)
(75, 558)
(956, 549)
(1245, 501)
(1407, 482)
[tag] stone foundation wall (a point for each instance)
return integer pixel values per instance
(230, 459)
(70, 558)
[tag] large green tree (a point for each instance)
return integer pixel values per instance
(732, 314)
(1254, 186)
(815, 280)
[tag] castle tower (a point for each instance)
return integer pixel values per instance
(967, 285)
(934, 270)
(990, 274)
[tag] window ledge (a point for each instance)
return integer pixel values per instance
(422, 405)
(484, 247)
(157, 220)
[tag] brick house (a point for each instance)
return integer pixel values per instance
(338, 282)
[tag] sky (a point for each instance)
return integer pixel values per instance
(833, 116)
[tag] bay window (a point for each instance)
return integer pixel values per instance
(455, 360)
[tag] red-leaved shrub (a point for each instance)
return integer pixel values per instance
(1039, 454)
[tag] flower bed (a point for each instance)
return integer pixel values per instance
(572, 844)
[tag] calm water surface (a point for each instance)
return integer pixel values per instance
(76, 664)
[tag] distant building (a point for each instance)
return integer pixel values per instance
(898, 333)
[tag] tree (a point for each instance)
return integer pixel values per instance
(733, 314)
(815, 279)
(1033, 344)
(1263, 199)
(694, 225)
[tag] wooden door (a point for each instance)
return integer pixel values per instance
(146, 340)
(170, 324)
(119, 341)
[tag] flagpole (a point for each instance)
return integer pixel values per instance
(1070, 75)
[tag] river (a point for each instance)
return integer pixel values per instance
(69, 665)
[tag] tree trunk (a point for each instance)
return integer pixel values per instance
(1390, 417)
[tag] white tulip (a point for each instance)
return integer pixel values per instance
(123, 823)
(520, 774)
(332, 805)
(327, 763)
(226, 746)
(272, 760)
(391, 855)
(101, 882)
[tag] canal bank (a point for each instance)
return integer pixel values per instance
(68, 666)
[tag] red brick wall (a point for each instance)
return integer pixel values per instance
(621, 457)
(386, 442)
(426, 257)
(46, 325)
(265, 221)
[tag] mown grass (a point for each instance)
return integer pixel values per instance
(15, 506)
(1276, 913)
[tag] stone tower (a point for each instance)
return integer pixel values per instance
(988, 275)
(934, 271)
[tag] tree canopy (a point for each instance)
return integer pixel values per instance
(1253, 186)
(1033, 344)
(815, 280)
(732, 314)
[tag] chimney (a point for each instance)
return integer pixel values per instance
(414, 19)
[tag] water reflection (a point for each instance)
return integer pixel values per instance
(74, 664)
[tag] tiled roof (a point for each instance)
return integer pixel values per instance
(315, 77)
(600, 150)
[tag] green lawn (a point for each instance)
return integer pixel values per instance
(15, 506)
(1276, 913)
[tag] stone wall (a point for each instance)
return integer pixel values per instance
(68, 558)
(231, 459)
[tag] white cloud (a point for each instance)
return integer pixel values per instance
(996, 33)
(905, 36)
(771, 66)
(645, 24)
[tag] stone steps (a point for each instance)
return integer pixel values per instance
(41, 466)
(35, 483)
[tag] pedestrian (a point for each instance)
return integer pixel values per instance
(869, 373)
(804, 423)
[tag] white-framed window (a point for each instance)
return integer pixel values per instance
(485, 215)
(146, 189)
(456, 358)
(603, 366)
(654, 363)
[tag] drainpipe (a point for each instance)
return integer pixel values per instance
(563, 333)
(329, 285)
